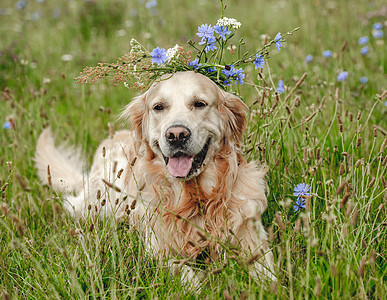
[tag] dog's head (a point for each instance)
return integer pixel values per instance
(185, 118)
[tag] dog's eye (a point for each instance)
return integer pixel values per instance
(200, 104)
(158, 107)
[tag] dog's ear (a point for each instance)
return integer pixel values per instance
(233, 112)
(135, 112)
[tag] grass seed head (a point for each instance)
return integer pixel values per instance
(317, 288)
(341, 187)
(280, 223)
(371, 184)
(355, 215)
(358, 142)
(383, 146)
(360, 270)
(344, 201)
(341, 169)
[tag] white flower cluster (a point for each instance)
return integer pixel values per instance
(229, 22)
(171, 52)
(135, 46)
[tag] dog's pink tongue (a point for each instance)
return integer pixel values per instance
(180, 166)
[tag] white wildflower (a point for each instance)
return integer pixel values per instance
(126, 85)
(67, 57)
(171, 52)
(135, 46)
(229, 22)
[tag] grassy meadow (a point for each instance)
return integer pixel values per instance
(330, 134)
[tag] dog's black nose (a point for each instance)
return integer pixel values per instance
(177, 134)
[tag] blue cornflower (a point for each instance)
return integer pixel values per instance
(363, 80)
(195, 63)
(280, 88)
(222, 31)
(385, 103)
(229, 71)
(205, 31)
(363, 40)
(20, 4)
(159, 56)
(259, 61)
(210, 45)
(377, 26)
(226, 82)
(277, 41)
(210, 70)
(151, 4)
(342, 76)
(7, 125)
(327, 53)
(309, 58)
(377, 34)
(300, 203)
(364, 50)
(301, 189)
(240, 76)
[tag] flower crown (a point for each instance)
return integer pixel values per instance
(140, 67)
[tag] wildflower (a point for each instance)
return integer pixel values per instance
(67, 57)
(385, 103)
(159, 56)
(277, 41)
(327, 53)
(240, 76)
(205, 31)
(20, 5)
(300, 203)
(280, 88)
(135, 46)
(171, 52)
(226, 82)
(222, 31)
(300, 190)
(363, 80)
(210, 45)
(7, 125)
(377, 34)
(229, 71)
(342, 76)
(364, 50)
(210, 70)
(309, 58)
(259, 61)
(151, 4)
(377, 26)
(195, 64)
(363, 40)
(229, 22)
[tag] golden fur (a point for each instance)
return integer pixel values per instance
(226, 194)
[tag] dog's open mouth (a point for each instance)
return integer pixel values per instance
(182, 165)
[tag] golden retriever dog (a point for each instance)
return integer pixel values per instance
(179, 175)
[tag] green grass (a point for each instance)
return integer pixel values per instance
(331, 249)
